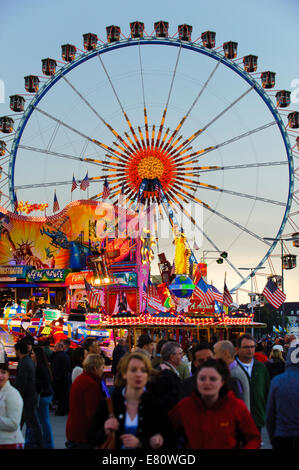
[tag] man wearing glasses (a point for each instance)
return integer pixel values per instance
(258, 376)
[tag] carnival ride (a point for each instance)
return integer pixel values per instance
(124, 125)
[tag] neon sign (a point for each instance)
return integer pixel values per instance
(27, 208)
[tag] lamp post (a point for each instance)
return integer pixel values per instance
(251, 286)
(222, 255)
(281, 240)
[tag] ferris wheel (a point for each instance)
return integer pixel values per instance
(161, 119)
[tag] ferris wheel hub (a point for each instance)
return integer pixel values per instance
(150, 163)
(150, 168)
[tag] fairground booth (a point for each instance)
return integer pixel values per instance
(89, 268)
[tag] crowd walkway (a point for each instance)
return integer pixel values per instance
(59, 422)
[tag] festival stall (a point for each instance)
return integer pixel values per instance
(95, 260)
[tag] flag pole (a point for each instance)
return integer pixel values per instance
(222, 308)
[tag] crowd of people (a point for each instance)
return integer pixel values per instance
(216, 395)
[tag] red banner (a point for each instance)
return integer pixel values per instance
(195, 306)
(77, 279)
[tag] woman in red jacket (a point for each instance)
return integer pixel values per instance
(213, 417)
(86, 393)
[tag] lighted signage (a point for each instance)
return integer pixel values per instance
(195, 306)
(14, 271)
(27, 208)
(47, 275)
(76, 280)
(125, 279)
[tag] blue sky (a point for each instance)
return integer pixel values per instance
(36, 29)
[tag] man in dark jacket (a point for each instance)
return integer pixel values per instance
(25, 384)
(258, 376)
(200, 353)
(118, 352)
(166, 384)
(61, 370)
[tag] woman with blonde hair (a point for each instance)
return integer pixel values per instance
(139, 421)
(87, 391)
(276, 362)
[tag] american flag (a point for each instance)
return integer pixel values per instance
(55, 203)
(85, 183)
(273, 294)
(227, 298)
(74, 184)
(203, 292)
(106, 189)
(216, 294)
(152, 298)
(93, 295)
(154, 302)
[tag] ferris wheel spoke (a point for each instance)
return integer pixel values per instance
(141, 74)
(6, 204)
(203, 169)
(205, 235)
(180, 195)
(239, 226)
(3, 172)
(228, 219)
(3, 194)
(194, 157)
(4, 182)
(200, 131)
(120, 104)
(168, 204)
(156, 226)
(5, 161)
(104, 164)
(144, 103)
(191, 107)
(124, 196)
(44, 185)
(153, 136)
(168, 97)
(63, 155)
(111, 129)
(190, 197)
(141, 137)
(233, 193)
(76, 131)
(99, 195)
